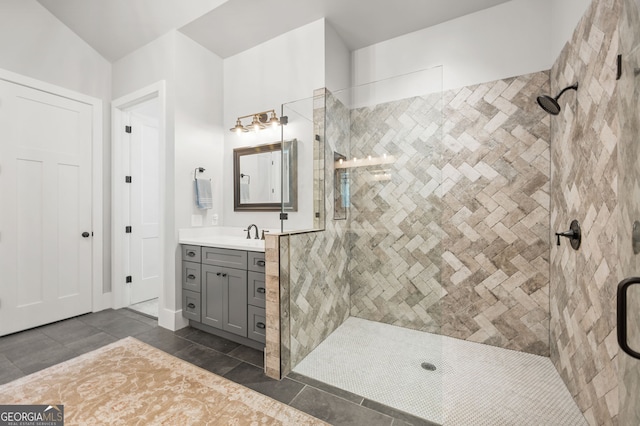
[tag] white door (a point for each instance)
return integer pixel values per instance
(144, 239)
(45, 206)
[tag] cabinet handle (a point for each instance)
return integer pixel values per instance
(260, 262)
(261, 290)
(191, 277)
(224, 275)
(191, 253)
(219, 273)
(191, 306)
(261, 325)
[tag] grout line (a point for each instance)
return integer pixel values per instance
(298, 394)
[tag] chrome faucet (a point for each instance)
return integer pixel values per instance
(249, 231)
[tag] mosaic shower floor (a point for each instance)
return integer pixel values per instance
(473, 384)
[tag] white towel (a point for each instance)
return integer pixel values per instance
(244, 193)
(203, 194)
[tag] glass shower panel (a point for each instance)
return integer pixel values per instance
(395, 219)
(303, 146)
(366, 288)
(629, 225)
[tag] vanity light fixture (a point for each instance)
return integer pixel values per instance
(259, 121)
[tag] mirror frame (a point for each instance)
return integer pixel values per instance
(292, 205)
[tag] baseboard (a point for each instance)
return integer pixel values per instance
(171, 320)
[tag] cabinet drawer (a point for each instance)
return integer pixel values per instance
(257, 324)
(255, 261)
(226, 258)
(191, 276)
(256, 289)
(191, 305)
(191, 253)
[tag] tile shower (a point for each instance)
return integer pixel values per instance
(457, 242)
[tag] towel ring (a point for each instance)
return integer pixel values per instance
(195, 172)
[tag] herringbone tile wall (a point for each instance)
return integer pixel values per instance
(584, 173)
(457, 241)
(319, 284)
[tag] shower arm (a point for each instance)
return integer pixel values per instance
(574, 87)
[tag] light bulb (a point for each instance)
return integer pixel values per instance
(274, 120)
(256, 123)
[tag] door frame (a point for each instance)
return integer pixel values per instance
(119, 107)
(100, 300)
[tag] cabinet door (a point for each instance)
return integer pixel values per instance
(235, 301)
(213, 290)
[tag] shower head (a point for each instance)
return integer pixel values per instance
(550, 104)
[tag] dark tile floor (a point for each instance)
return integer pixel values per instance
(32, 350)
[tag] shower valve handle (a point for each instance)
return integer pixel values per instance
(569, 234)
(574, 234)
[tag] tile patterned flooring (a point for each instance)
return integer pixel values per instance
(33, 350)
(473, 384)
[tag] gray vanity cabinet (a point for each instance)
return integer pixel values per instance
(223, 293)
(224, 299)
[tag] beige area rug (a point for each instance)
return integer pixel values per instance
(131, 383)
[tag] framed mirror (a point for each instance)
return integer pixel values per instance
(265, 178)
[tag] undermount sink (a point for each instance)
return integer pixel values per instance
(220, 237)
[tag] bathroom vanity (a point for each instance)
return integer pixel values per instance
(223, 287)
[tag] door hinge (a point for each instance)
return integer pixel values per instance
(129, 279)
(284, 216)
(127, 129)
(127, 179)
(127, 229)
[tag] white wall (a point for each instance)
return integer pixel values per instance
(36, 44)
(337, 61)
(199, 129)
(510, 39)
(280, 70)
(565, 15)
(199, 138)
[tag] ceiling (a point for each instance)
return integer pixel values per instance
(116, 28)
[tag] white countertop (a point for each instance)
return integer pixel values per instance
(222, 237)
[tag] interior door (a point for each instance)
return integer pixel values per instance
(45, 207)
(145, 265)
(628, 308)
